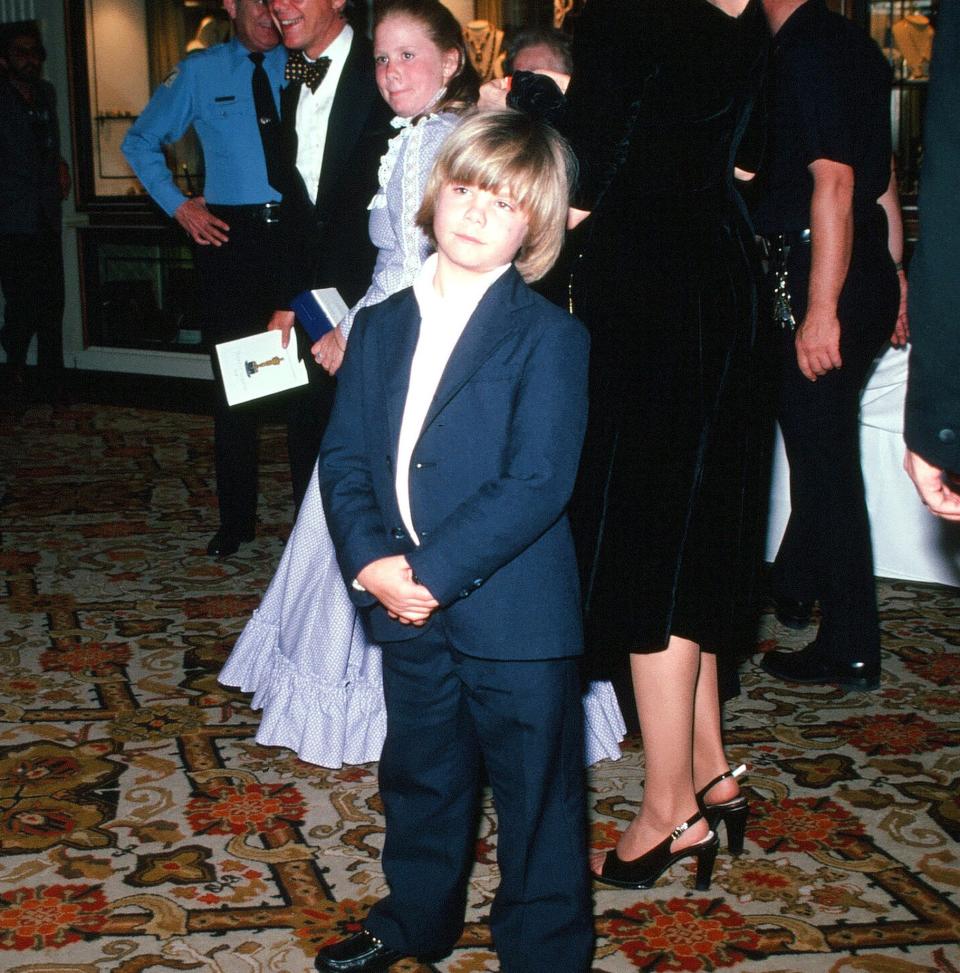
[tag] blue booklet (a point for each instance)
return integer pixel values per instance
(319, 311)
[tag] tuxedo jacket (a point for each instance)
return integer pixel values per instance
(327, 244)
(490, 475)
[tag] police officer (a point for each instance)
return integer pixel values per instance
(833, 290)
(229, 93)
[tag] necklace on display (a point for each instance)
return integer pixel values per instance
(481, 40)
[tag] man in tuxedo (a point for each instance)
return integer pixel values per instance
(932, 428)
(335, 128)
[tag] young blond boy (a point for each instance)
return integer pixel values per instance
(445, 473)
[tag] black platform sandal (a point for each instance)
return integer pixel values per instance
(643, 872)
(732, 813)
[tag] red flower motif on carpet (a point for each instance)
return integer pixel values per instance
(604, 834)
(246, 808)
(683, 934)
(886, 735)
(95, 657)
(328, 922)
(50, 916)
(802, 824)
(220, 606)
(940, 668)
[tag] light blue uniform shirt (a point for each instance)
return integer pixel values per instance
(213, 91)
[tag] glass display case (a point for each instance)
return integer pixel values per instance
(137, 278)
(120, 51)
(904, 31)
(140, 288)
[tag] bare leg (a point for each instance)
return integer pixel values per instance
(665, 685)
(709, 760)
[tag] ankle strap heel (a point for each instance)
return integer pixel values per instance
(732, 813)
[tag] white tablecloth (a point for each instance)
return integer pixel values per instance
(908, 542)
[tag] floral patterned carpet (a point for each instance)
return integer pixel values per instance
(143, 829)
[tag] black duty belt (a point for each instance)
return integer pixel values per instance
(268, 213)
(776, 248)
(793, 238)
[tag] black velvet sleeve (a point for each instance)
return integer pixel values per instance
(610, 63)
(536, 95)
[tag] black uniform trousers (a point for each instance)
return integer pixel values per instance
(237, 297)
(826, 553)
(31, 277)
(449, 715)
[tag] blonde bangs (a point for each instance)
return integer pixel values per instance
(508, 152)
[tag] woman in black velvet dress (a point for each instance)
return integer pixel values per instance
(660, 95)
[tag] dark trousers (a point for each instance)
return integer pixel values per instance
(236, 299)
(826, 554)
(448, 715)
(31, 276)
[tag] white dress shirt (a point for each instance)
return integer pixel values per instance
(313, 112)
(442, 321)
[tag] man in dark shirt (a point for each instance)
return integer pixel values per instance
(834, 292)
(33, 181)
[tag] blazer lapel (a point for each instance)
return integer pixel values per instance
(348, 115)
(489, 324)
(397, 345)
(289, 99)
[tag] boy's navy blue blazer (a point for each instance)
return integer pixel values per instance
(490, 477)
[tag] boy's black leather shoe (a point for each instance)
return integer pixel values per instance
(362, 953)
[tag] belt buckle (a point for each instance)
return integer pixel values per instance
(271, 213)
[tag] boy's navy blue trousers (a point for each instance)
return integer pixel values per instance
(448, 716)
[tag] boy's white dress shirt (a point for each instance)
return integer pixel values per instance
(442, 320)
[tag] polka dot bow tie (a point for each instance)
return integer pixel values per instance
(311, 73)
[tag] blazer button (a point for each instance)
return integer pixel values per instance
(477, 582)
(465, 592)
(398, 533)
(947, 436)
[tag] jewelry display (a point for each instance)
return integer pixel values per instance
(483, 41)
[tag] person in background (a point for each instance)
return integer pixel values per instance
(664, 280)
(663, 276)
(229, 94)
(34, 180)
(539, 49)
(334, 131)
(821, 205)
(932, 426)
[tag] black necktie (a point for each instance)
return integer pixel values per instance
(311, 73)
(268, 120)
